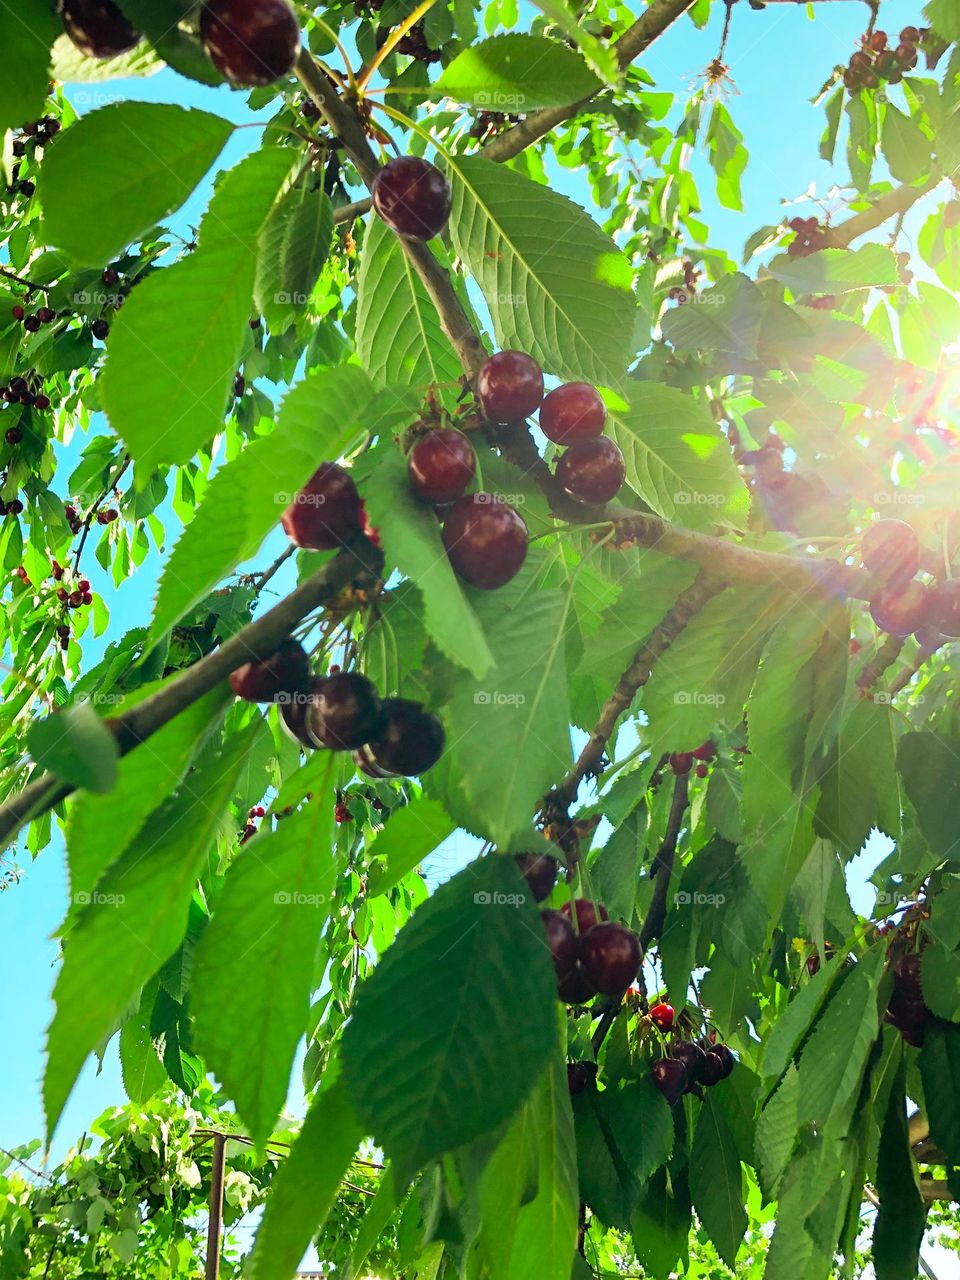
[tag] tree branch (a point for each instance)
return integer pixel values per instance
(688, 603)
(894, 202)
(662, 866)
(358, 560)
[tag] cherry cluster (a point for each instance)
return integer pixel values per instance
(414, 43)
(38, 133)
(681, 762)
(250, 827)
(510, 388)
(12, 508)
(876, 60)
(691, 1063)
(488, 123)
(906, 1009)
(19, 392)
(79, 596)
(890, 551)
(809, 236)
(390, 737)
(591, 953)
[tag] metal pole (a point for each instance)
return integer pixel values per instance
(215, 1224)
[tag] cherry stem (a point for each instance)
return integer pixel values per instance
(412, 125)
(392, 41)
(332, 35)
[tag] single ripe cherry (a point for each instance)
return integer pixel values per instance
(441, 465)
(250, 42)
(326, 511)
(681, 762)
(945, 607)
(413, 197)
(670, 1077)
(691, 1055)
(540, 872)
(572, 412)
(707, 751)
(610, 954)
(285, 672)
(344, 711)
(900, 610)
(891, 550)
(727, 1060)
(592, 471)
(98, 28)
(561, 940)
(486, 540)
(576, 987)
(588, 914)
(580, 1075)
(906, 975)
(509, 387)
(662, 1015)
(409, 742)
(711, 1069)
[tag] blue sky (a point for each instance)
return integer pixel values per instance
(778, 59)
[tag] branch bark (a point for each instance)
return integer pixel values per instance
(662, 865)
(894, 202)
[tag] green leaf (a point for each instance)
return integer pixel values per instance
(411, 833)
(294, 245)
(120, 170)
(410, 535)
(834, 110)
(944, 18)
(861, 789)
(572, 308)
(166, 383)
(716, 1182)
(318, 419)
(661, 1222)
(724, 792)
(181, 50)
(776, 1132)
(834, 1058)
(928, 766)
(77, 746)
(836, 270)
(306, 1184)
(795, 1021)
(100, 827)
(728, 156)
(254, 967)
(456, 1021)
(940, 1073)
(522, 700)
(143, 1072)
(517, 73)
(135, 919)
(27, 30)
(374, 1222)
(677, 459)
(68, 64)
(906, 148)
(399, 335)
(508, 1180)
(898, 1230)
(546, 1234)
(940, 979)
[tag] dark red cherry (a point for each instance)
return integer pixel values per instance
(588, 914)
(711, 1069)
(509, 386)
(576, 987)
(409, 742)
(906, 974)
(681, 762)
(412, 196)
(344, 711)
(441, 465)
(580, 1075)
(293, 715)
(691, 1055)
(285, 672)
(727, 1060)
(707, 751)
(891, 550)
(540, 872)
(900, 610)
(572, 412)
(670, 1077)
(561, 940)
(906, 1012)
(610, 954)
(945, 607)
(592, 471)
(326, 511)
(486, 540)
(98, 28)
(250, 42)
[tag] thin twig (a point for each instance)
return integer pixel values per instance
(662, 866)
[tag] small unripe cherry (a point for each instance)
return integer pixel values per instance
(662, 1015)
